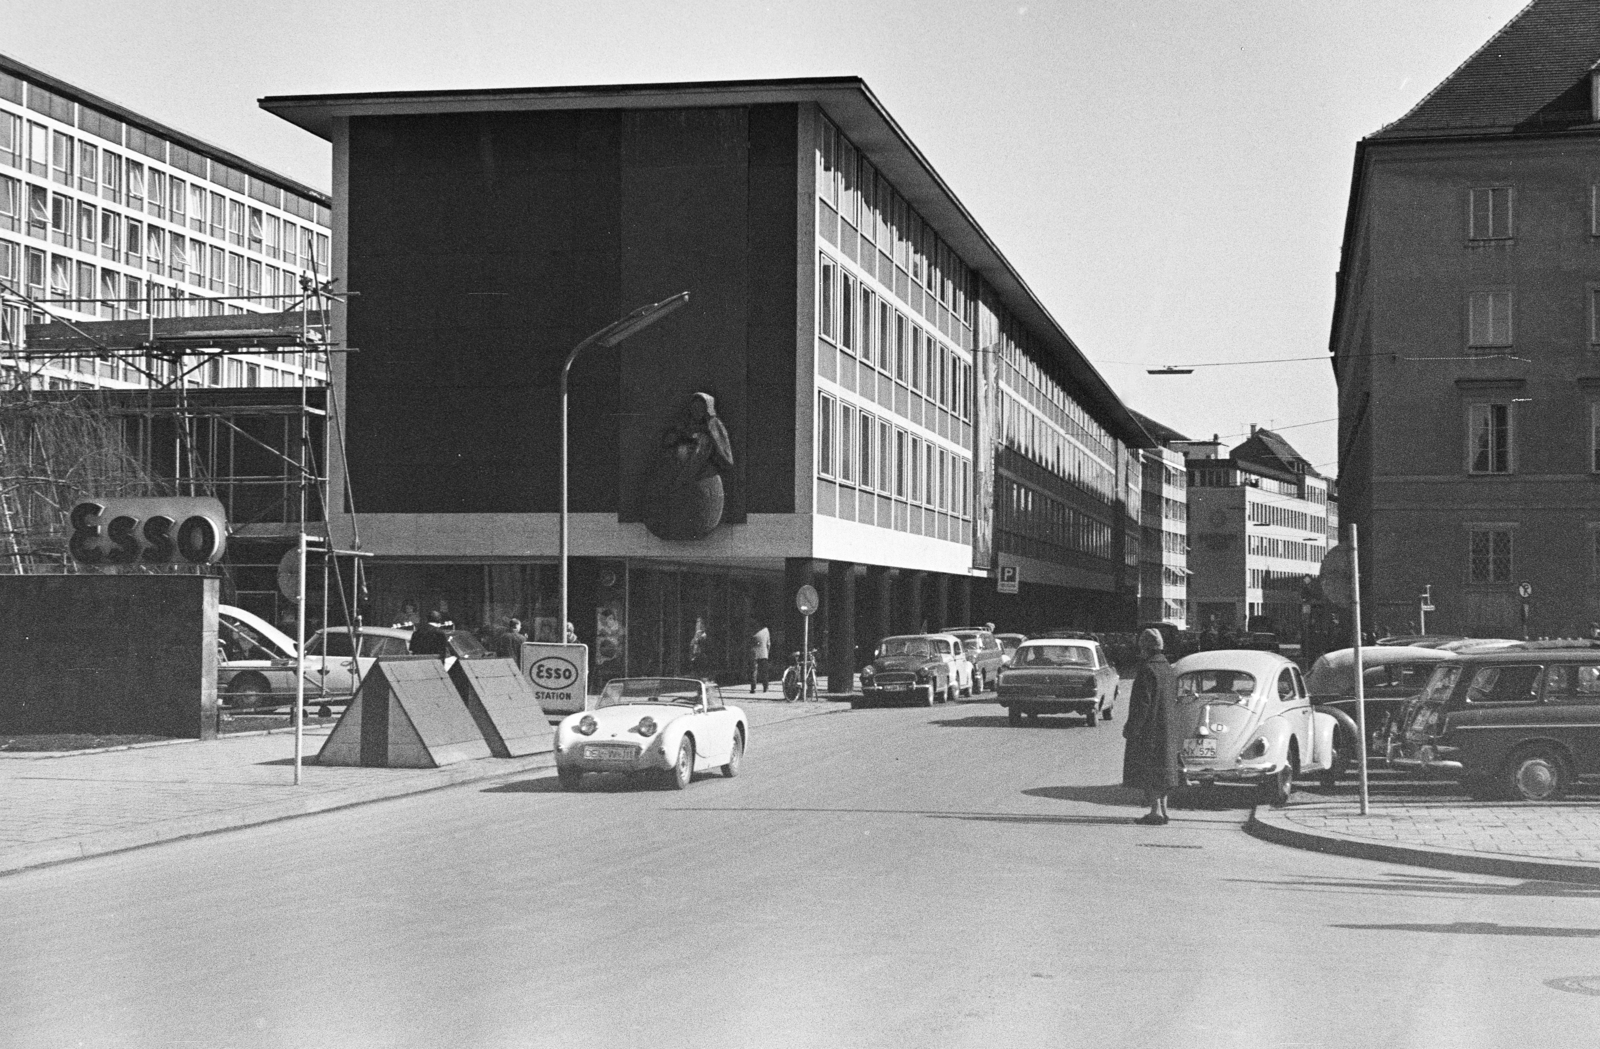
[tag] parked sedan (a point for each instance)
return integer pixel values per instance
(984, 652)
(1522, 723)
(1245, 717)
(335, 671)
(255, 661)
(1058, 676)
(1008, 646)
(1390, 674)
(911, 668)
(668, 728)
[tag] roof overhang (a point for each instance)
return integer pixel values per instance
(846, 100)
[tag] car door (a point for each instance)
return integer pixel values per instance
(1295, 708)
(1497, 710)
(1570, 712)
(713, 729)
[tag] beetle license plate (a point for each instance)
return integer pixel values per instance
(1199, 748)
(602, 752)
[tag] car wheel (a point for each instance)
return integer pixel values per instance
(1092, 717)
(930, 696)
(736, 758)
(1105, 712)
(683, 771)
(980, 683)
(1536, 774)
(950, 695)
(1014, 716)
(570, 779)
(248, 691)
(1275, 789)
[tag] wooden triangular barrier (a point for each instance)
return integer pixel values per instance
(406, 714)
(503, 703)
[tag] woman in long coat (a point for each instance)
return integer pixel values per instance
(1150, 758)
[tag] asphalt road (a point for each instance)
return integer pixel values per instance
(897, 878)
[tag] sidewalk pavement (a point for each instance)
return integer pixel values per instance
(1545, 842)
(70, 806)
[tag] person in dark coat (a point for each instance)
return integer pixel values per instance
(429, 639)
(509, 644)
(1150, 758)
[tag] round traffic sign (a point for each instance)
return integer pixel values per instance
(1334, 577)
(289, 575)
(806, 599)
(1524, 590)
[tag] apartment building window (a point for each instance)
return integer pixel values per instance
(1491, 213)
(38, 150)
(157, 202)
(10, 203)
(847, 312)
(254, 231)
(269, 237)
(110, 233)
(38, 212)
(1489, 559)
(917, 488)
(218, 269)
(219, 216)
(1489, 438)
(235, 274)
(155, 249)
(824, 435)
(134, 254)
(827, 276)
(111, 176)
(884, 334)
(236, 222)
(135, 180)
(864, 461)
(197, 263)
(899, 346)
(885, 457)
(916, 358)
(1594, 437)
(61, 158)
(847, 447)
(34, 263)
(868, 311)
(291, 237)
(88, 226)
(10, 140)
(61, 219)
(197, 208)
(1489, 319)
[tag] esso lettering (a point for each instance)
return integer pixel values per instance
(553, 673)
(154, 531)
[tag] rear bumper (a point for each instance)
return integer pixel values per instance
(1423, 759)
(1243, 774)
(1049, 704)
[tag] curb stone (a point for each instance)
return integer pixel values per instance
(1278, 829)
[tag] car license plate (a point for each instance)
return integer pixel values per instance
(895, 688)
(602, 752)
(1199, 748)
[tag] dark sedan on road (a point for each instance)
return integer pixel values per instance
(1058, 676)
(911, 669)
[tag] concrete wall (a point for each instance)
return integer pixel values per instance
(109, 654)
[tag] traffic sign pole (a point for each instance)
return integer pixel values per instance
(1361, 691)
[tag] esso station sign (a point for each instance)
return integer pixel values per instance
(559, 675)
(155, 530)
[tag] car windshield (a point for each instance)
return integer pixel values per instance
(906, 646)
(337, 644)
(1226, 684)
(682, 691)
(1053, 656)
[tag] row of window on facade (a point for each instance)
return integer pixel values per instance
(1491, 213)
(95, 229)
(849, 183)
(1042, 526)
(1491, 433)
(1292, 549)
(862, 323)
(1286, 517)
(857, 448)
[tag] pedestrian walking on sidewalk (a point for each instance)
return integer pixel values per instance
(760, 652)
(1150, 757)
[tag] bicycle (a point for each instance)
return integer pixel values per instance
(792, 675)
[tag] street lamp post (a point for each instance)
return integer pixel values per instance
(610, 335)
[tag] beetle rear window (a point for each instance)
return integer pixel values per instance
(1216, 682)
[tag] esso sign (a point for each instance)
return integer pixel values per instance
(161, 530)
(553, 672)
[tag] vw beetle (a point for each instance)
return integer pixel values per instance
(665, 727)
(1245, 717)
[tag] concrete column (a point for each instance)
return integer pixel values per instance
(915, 608)
(962, 596)
(881, 585)
(840, 659)
(940, 619)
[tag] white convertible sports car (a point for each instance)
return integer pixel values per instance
(1245, 717)
(667, 727)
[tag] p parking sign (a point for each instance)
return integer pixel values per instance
(1007, 577)
(559, 675)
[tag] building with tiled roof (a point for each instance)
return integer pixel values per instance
(1466, 340)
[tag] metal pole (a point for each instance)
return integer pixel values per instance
(300, 660)
(1361, 690)
(805, 656)
(561, 624)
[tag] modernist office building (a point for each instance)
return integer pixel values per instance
(1260, 521)
(109, 214)
(895, 412)
(1466, 339)
(1164, 540)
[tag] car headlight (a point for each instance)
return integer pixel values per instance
(586, 726)
(1256, 749)
(922, 675)
(866, 672)
(646, 727)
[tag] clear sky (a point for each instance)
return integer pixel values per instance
(1169, 177)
